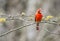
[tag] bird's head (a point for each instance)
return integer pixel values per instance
(39, 11)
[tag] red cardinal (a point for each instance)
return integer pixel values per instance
(38, 18)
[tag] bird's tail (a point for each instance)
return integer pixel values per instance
(37, 26)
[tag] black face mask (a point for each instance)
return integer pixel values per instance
(39, 12)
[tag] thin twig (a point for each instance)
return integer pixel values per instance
(23, 27)
(15, 29)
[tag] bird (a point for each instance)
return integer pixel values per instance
(38, 18)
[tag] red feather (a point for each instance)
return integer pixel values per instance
(38, 18)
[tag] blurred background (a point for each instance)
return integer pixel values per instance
(21, 12)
